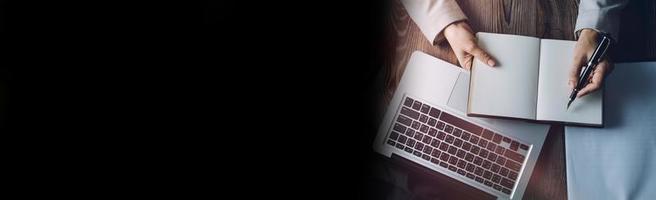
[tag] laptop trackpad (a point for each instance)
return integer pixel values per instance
(458, 98)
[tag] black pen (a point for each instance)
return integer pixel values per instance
(596, 57)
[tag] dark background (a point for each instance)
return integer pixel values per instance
(182, 98)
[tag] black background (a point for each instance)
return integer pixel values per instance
(257, 98)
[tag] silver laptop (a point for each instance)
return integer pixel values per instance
(426, 123)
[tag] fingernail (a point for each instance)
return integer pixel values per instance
(491, 63)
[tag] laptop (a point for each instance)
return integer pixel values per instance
(426, 123)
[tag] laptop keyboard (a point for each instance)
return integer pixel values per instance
(482, 155)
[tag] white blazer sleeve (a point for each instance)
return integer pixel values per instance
(432, 16)
(600, 15)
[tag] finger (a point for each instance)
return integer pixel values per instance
(480, 54)
(594, 85)
(468, 61)
(575, 70)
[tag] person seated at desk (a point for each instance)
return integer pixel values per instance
(441, 20)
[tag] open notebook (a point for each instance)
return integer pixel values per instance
(529, 82)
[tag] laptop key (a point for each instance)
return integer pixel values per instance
(457, 142)
(488, 183)
(478, 161)
(461, 164)
(482, 143)
(426, 140)
(440, 125)
(483, 153)
(473, 139)
(460, 154)
(512, 175)
(491, 146)
(514, 145)
(425, 108)
(479, 171)
(487, 175)
(523, 146)
(444, 164)
(434, 112)
(465, 136)
(410, 113)
(453, 160)
(391, 142)
(486, 164)
(496, 178)
(399, 146)
(398, 127)
(505, 190)
(497, 138)
(441, 135)
(506, 183)
(423, 118)
(432, 122)
(424, 128)
(504, 171)
(470, 175)
(410, 132)
(408, 101)
(411, 142)
(514, 156)
(449, 139)
(452, 150)
(436, 153)
(394, 135)
(448, 129)
(506, 140)
(408, 149)
(475, 149)
(487, 134)
(500, 150)
(444, 146)
(495, 168)
(466, 146)
(462, 172)
(416, 106)
(457, 132)
(434, 160)
(492, 157)
(470, 167)
(479, 179)
(415, 125)
(497, 187)
(417, 153)
(419, 146)
(435, 143)
(501, 161)
(428, 149)
(402, 139)
(432, 132)
(444, 157)
(469, 157)
(452, 168)
(419, 136)
(512, 165)
(404, 120)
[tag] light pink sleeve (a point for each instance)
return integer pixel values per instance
(432, 16)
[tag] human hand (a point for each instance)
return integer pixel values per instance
(463, 43)
(583, 50)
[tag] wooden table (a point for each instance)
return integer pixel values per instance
(553, 19)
